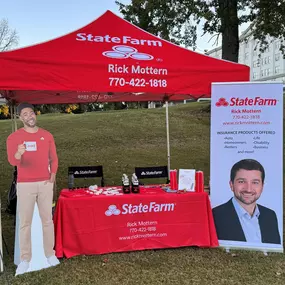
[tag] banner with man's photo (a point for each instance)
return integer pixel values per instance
(247, 164)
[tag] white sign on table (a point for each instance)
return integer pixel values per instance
(186, 180)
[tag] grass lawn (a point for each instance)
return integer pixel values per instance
(121, 140)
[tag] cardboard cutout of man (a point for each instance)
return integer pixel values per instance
(33, 151)
(241, 218)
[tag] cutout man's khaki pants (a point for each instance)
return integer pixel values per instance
(29, 193)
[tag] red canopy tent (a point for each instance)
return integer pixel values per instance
(111, 60)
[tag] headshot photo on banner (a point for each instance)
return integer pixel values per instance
(247, 165)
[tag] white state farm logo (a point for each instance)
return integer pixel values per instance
(82, 37)
(85, 172)
(151, 173)
(122, 52)
(112, 210)
(140, 208)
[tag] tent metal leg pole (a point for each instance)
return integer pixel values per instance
(12, 117)
(15, 118)
(167, 135)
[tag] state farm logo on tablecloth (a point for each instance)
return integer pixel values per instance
(122, 52)
(112, 210)
(140, 208)
(256, 101)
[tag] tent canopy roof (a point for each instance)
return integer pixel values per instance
(108, 60)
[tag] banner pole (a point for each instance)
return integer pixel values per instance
(167, 135)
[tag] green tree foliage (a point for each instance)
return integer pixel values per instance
(178, 20)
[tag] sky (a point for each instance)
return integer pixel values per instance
(39, 21)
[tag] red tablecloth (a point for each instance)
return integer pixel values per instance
(88, 224)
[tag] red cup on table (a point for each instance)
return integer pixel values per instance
(197, 182)
(173, 180)
(199, 177)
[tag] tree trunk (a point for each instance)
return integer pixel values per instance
(229, 27)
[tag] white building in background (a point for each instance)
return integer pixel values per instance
(269, 67)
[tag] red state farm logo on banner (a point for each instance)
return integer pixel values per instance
(222, 102)
(256, 101)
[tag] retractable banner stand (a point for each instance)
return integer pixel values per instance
(247, 165)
